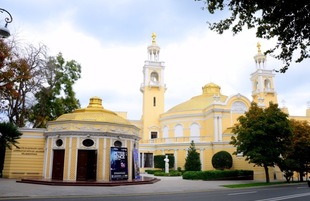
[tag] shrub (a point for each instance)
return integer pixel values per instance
(171, 173)
(219, 175)
(193, 175)
(152, 171)
(222, 160)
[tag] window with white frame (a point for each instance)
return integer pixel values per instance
(178, 131)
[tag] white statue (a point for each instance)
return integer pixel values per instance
(166, 164)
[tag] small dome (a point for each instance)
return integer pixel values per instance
(95, 113)
(211, 89)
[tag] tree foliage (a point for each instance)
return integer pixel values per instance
(34, 87)
(192, 161)
(262, 135)
(296, 158)
(57, 96)
(222, 160)
(20, 78)
(286, 20)
(9, 134)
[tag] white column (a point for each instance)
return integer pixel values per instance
(261, 84)
(215, 130)
(142, 162)
(70, 152)
(220, 132)
(104, 158)
(175, 159)
(201, 157)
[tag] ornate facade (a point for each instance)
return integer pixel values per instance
(81, 145)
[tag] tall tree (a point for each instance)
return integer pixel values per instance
(20, 78)
(262, 135)
(286, 20)
(56, 96)
(9, 134)
(192, 161)
(300, 149)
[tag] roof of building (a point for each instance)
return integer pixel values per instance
(210, 93)
(95, 113)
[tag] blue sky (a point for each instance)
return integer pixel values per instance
(109, 40)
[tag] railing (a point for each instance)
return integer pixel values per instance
(176, 140)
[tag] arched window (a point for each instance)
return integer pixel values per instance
(178, 131)
(238, 107)
(267, 84)
(165, 132)
(195, 132)
(154, 77)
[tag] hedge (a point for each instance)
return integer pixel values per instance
(171, 173)
(219, 175)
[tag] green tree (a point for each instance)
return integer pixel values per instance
(9, 134)
(192, 161)
(300, 147)
(57, 96)
(262, 135)
(222, 160)
(287, 21)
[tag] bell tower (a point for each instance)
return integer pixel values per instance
(153, 89)
(263, 89)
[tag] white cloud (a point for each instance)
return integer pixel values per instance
(194, 56)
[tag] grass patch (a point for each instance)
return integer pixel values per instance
(252, 184)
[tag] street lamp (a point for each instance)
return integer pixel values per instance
(4, 31)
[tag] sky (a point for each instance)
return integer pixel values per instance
(109, 40)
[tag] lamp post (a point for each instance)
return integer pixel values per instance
(4, 31)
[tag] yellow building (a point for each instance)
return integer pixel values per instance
(206, 118)
(89, 144)
(82, 145)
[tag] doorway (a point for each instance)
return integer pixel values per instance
(86, 165)
(58, 164)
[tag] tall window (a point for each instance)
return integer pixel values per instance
(165, 132)
(178, 131)
(154, 134)
(147, 160)
(154, 101)
(195, 132)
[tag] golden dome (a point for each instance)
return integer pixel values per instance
(95, 113)
(210, 93)
(211, 89)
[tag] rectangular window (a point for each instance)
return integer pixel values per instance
(154, 101)
(147, 160)
(153, 134)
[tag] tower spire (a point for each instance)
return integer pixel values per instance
(153, 50)
(260, 58)
(153, 38)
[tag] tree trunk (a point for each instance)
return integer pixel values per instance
(267, 174)
(301, 174)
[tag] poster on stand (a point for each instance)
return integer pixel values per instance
(136, 164)
(118, 163)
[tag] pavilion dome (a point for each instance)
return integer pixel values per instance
(210, 93)
(94, 112)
